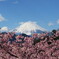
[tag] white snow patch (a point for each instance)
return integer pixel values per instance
(28, 27)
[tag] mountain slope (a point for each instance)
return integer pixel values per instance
(28, 28)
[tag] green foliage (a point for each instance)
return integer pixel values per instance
(54, 31)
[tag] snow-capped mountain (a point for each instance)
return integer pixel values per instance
(29, 28)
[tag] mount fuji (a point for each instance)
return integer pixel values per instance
(29, 28)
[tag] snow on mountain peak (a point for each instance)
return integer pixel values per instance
(28, 27)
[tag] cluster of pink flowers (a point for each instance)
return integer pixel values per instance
(39, 46)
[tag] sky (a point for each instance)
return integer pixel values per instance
(44, 12)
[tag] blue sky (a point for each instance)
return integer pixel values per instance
(44, 12)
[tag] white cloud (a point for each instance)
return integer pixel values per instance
(15, 2)
(2, 0)
(1, 18)
(50, 24)
(58, 21)
(4, 29)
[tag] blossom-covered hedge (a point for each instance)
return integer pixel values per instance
(39, 46)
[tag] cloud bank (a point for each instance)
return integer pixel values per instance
(50, 24)
(2, 18)
(4, 29)
(2, 0)
(58, 21)
(15, 2)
